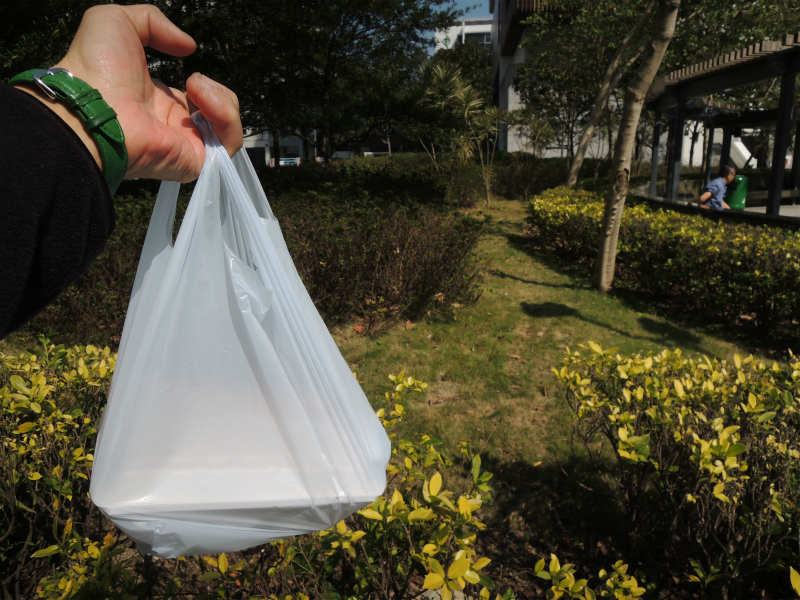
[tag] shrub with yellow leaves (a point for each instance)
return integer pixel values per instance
(420, 535)
(54, 544)
(721, 270)
(617, 583)
(707, 456)
(48, 403)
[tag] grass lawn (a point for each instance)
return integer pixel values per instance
(489, 369)
(490, 379)
(490, 383)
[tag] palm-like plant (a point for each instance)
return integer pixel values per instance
(476, 124)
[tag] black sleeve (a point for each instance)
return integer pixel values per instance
(55, 208)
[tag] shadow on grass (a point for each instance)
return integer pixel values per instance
(567, 508)
(669, 334)
(665, 333)
(573, 286)
(772, 340)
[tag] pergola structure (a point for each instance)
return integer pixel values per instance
(675, 96)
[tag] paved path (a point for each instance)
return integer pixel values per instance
(788, 210)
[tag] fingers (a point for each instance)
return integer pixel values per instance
(220, 107)
(156, 31)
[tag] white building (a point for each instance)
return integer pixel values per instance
(475, 31)
(507, 16)
(258, 145)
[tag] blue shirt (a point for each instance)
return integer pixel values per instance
(717, 187)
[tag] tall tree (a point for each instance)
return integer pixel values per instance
(36, 33)
(331, 71)
(617, 68)
(610, 34)
(566, 50)
(662, 33)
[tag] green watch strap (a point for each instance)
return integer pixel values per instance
(95, 114)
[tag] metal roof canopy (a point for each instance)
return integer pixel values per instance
(673, 95)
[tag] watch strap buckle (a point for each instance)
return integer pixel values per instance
(37, 78)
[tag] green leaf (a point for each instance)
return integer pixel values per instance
(736, 449)
(25, 427)
(766, 416)
(18, 383)
(435, 566)
(209, 576)
(476, 467)
(49, 551)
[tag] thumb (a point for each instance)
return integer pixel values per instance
(220, 106)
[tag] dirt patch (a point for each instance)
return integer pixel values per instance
(442, 392)
(525, 331)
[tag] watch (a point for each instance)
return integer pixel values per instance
(95, 114)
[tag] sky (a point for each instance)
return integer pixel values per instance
(482, 9)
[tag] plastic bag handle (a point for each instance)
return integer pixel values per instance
(162, 221)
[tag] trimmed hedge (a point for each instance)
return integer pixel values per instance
(718, 271)
(375, 262)
(372, 239)
(521, 175)
(707, 463)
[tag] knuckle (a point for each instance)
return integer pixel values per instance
(235, 101)
(151, 10)
(101, 10)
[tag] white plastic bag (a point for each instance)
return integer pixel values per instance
(232, 418)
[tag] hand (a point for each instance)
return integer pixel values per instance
(108, 53)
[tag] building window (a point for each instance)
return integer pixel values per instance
(481, 39)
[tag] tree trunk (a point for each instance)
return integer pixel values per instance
(634, 101)
(612, 76)
(695, 135)
(609, 132)
(276, 148)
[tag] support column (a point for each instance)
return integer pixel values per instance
(654, 155)
(725, 153)
(782, 126)
(674, 150)
(709, 153)
(796, 157)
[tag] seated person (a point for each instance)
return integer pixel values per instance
(713, 195)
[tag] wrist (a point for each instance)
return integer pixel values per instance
(85, 111)
(69, 119)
